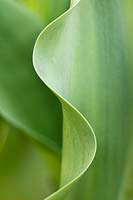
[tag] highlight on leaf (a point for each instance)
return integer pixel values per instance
(65, 67)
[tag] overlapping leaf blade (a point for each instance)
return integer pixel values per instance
(29, 106)
(24, 100)
(83, 57)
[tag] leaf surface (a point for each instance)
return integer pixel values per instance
(83, 57)
(24, 100)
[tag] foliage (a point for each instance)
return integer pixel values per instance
(83, 60)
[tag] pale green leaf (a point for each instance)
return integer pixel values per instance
(83, 57)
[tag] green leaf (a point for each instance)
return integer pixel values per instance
(24, 170)
(127, 190)
(24, 100)
(83, 58)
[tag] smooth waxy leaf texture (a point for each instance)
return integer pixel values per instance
(127, 192)
(26, 171)
(23, 117)
(83, 57)
(24, 100)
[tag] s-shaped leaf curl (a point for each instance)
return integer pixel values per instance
(79, 142)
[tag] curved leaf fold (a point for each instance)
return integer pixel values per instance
(82, 57)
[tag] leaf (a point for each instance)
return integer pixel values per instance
(24, 100)
(127, 189)
(24, 169)
(83, 58)
(77, 135)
